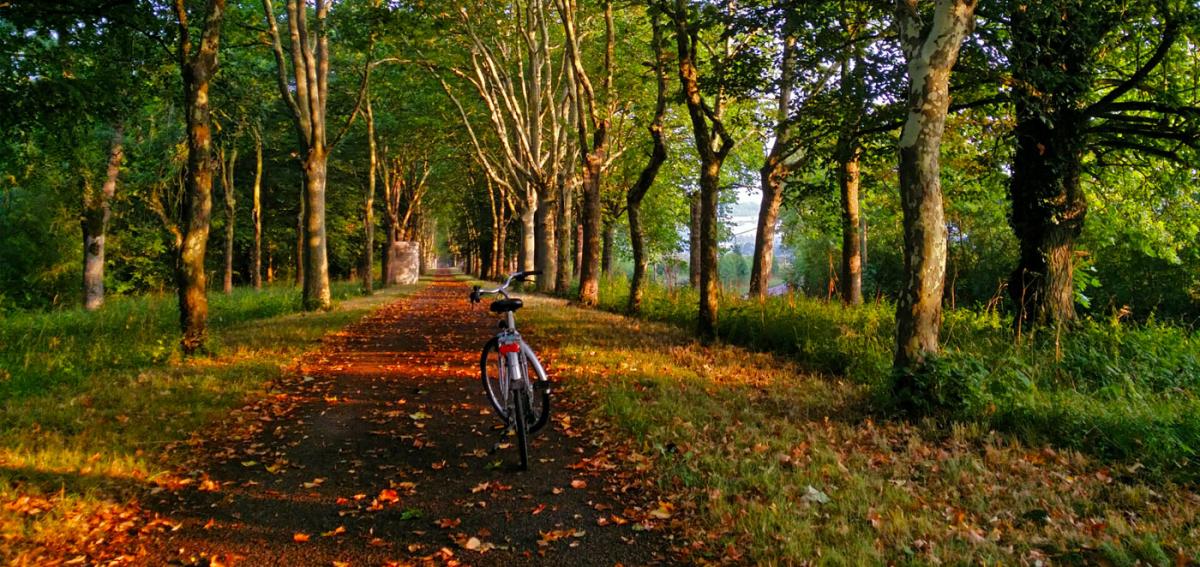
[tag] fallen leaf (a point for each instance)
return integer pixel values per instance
(578, 483)
(814, 495)
(663, 511)
(299, 537)
(336, 531)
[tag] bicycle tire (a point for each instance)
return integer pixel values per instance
(494, 388)
(541, 393)
(522, 410)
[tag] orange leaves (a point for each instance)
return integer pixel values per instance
(491, 485)
(663, 511)
(29, 505)
(334, 532)
(579, 483)
(314, 483)
(388, 495)
(300, 537)
(554, 535)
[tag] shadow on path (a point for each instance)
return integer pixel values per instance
(376, 451)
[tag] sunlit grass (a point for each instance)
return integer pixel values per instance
(758, 443)
(1125, 392)
(89, 401)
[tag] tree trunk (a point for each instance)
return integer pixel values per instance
(1048, 211)
(368, 262)
(528, 232)
(694, 240)
(256, 213)
(316, 293)
(197, 71)
(713, 144)
(931, 56)
(546, 256)
(300, 216)
(577, 248)
(848, 178)
(771, 181)
(500, 268)
(633, 200)
(773, 172)
(710, 174)
(96, 213)
(637, 242)
(589, 276)
(565, 193)
(230, 217)
(606, 257)
(305, 93)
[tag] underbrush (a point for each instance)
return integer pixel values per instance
(88, 401)
(1124, 392)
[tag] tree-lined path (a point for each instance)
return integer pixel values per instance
(375, 450)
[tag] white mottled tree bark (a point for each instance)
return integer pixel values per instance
(931, 55)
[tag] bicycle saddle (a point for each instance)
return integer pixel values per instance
(506, 305)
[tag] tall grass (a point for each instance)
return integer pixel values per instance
(40, 351)
(1128, 392)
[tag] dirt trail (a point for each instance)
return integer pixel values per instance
(376, 452)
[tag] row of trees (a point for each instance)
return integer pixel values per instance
(1079, 86)
(529, 131)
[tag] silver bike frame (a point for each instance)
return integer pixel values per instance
(517, 379)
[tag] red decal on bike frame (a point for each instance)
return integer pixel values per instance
(510, 347)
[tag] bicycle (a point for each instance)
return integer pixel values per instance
(520, 400)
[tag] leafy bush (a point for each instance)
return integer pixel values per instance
(953, 386)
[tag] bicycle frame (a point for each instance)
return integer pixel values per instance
(518, 396)
(508, 337)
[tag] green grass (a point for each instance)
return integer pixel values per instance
(89, 401)
(1126, 393)
(752, 440)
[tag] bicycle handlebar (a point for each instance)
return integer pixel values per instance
(477, 292)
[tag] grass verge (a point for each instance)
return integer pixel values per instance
(89, 401)
(787, 466)
(1127, 393)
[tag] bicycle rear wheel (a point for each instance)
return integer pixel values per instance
(495, 375)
